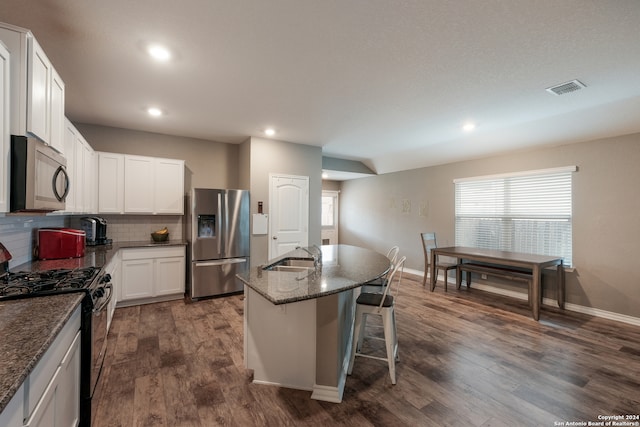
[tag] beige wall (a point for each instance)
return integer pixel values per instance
(208, 164)
(267, 156)
(605, 214)
(331, 185)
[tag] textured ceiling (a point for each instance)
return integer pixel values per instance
(386, 82)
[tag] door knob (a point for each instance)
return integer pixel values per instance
(275, 237)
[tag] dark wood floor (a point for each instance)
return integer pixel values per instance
(468, 358)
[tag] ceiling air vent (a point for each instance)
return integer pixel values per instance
(567, 87)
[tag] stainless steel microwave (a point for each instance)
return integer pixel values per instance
(39, 179)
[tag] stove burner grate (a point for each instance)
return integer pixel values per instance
(34, 282)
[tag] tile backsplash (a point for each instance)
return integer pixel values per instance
(134, 228)
(18, 234)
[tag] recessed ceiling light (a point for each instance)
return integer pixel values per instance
(154, 112)
(468, 127)
(158, 52)
(269, 131)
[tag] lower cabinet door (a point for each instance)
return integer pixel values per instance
(137, 279)
(13, 413)
(68, 393)
(169, 276)
(59, 405)
(44, 413)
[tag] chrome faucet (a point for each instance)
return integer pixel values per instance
(317, 257)
(319, 254)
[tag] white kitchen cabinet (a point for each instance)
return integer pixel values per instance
(169, 186)
(152, 274)
(90, 178)
(57, 119)
(50, 394)
(85, 169)
(59, 405)
(68, 389)
(13, 413)
(170, 273)
(140, 185)
(70, 136)
(137, 278)
(110, 183)
(52, 389)
(37, 92)
(79, 174)
(82, 169)
(39, 70)
(5, 135)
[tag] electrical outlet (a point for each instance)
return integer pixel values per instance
(483, 276)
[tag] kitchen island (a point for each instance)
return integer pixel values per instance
(298, 319)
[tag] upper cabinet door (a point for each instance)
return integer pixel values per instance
(110, 183)
(57, 112)
(70, 136)
(89, 176)
(169, 186)
(5, 141)
(39, 83)
(37, 91)
(138, 184)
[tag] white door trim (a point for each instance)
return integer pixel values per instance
(273, 212)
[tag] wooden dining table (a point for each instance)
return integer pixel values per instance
(529, 262)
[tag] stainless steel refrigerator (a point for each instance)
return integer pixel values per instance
(219, 228)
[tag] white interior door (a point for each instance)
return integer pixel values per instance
(289, 217)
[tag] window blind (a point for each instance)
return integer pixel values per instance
(526, 212)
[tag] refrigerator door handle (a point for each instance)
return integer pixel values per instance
(220, 262)
(219, 224)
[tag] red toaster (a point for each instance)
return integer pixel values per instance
(58, 243)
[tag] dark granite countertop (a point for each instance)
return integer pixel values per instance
(95, 256)
(343, 267)
(28, 326)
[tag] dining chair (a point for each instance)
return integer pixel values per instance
(377, 285)
(383, 305)
(428, 243)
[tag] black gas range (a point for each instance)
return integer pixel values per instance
(25, 284)
(97, 289)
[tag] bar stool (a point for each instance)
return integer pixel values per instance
(383, 305)
(377, 285)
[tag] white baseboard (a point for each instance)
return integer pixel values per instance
(596, 312)
(285, 385)
(603, 313)
(327, 393)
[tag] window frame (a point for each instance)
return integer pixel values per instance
(511, 223)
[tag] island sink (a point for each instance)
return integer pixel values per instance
(291, 264)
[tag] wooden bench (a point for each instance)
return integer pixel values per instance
(496, 271)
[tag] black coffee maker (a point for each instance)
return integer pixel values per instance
(95, 228)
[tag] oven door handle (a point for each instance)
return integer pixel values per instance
(108, 286)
